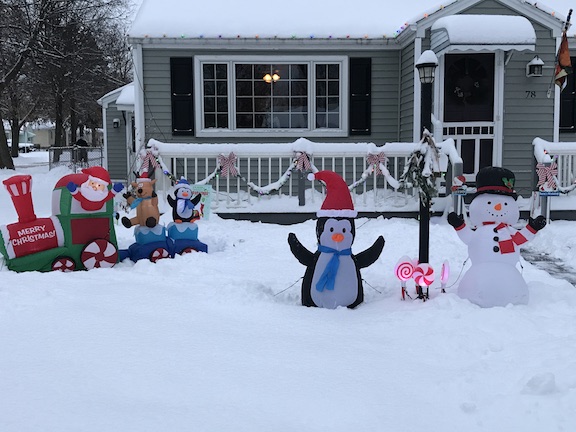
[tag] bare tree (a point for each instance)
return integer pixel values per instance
(68, 44)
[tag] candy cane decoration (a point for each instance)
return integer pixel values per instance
(404, 270)
(444, 275)
(424, 277)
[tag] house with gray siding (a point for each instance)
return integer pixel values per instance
(235, 72)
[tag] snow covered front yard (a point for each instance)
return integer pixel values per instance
(219, 341)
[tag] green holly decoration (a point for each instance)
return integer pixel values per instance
(509, 183)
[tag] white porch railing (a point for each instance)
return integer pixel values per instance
(271, 169)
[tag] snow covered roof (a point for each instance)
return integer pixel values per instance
(298, 19)
(125, 101)
(125, 94)
(480, 31)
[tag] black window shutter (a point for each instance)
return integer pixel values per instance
(181, 87)
(360, 96)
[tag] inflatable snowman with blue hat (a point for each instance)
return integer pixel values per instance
(493, 243)
(332, 276)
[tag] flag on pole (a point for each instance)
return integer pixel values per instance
(563, 63)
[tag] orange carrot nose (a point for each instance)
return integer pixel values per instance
(338, 237)
(498, 207)
(185, 194)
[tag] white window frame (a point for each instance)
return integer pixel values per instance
(311, 61)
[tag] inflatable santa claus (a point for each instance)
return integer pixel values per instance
(93, 193)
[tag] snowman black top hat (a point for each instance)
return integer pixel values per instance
(495, 180)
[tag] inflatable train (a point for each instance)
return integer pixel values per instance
(71, 239)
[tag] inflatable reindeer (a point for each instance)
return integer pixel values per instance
(145, 202)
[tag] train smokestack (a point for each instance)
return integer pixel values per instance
(20, 189)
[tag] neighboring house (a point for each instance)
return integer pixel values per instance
(26, 136)
(341, 72)
(118, 116)
(44, 134)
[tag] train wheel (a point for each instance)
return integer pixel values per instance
(99, 254)
(158, 254)
(188, 250)
(63, 264)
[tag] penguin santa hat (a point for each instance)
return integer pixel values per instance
(338, 201)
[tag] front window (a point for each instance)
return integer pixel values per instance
(271, 97)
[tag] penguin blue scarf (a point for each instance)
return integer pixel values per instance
(187, 203)
(328, 277)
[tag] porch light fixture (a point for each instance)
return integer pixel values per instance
(534, 67)
(426, 65)
(271, 78)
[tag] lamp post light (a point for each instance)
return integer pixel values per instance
(426, 65)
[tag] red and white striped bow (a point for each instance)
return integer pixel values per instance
(228, 165)
(547, 174)
(303, 161)
(376, 160)
(150, 160)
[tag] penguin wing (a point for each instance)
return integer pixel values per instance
(196, 199)
(171, 201)
(370, 255)
(299, 251)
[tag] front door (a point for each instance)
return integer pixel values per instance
(468, 108)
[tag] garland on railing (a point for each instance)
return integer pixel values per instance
(377, 165)
(226, 166)
(422, 169)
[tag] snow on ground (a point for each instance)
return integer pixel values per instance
(217, 342)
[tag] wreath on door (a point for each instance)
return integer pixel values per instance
(468, 82)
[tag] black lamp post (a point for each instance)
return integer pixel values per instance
(426, 66)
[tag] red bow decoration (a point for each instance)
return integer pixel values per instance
(547, 174)
(376, 160)
(150, 159)
(228, 165)
(303, 162)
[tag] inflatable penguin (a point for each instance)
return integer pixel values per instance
(183, 204)
(493, 243)
(332, 276)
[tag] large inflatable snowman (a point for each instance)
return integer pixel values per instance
(493, 243)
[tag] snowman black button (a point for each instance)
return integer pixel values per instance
(496, 249)
(495, 230)
(496, 238)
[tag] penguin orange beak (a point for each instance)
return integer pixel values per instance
(498, 207)
(338, 237)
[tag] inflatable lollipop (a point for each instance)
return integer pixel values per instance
(404, 270)
(424, 277)
(444, 275)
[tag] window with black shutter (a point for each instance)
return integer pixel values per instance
(360, 96)
(181, 85)
(568, 104)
